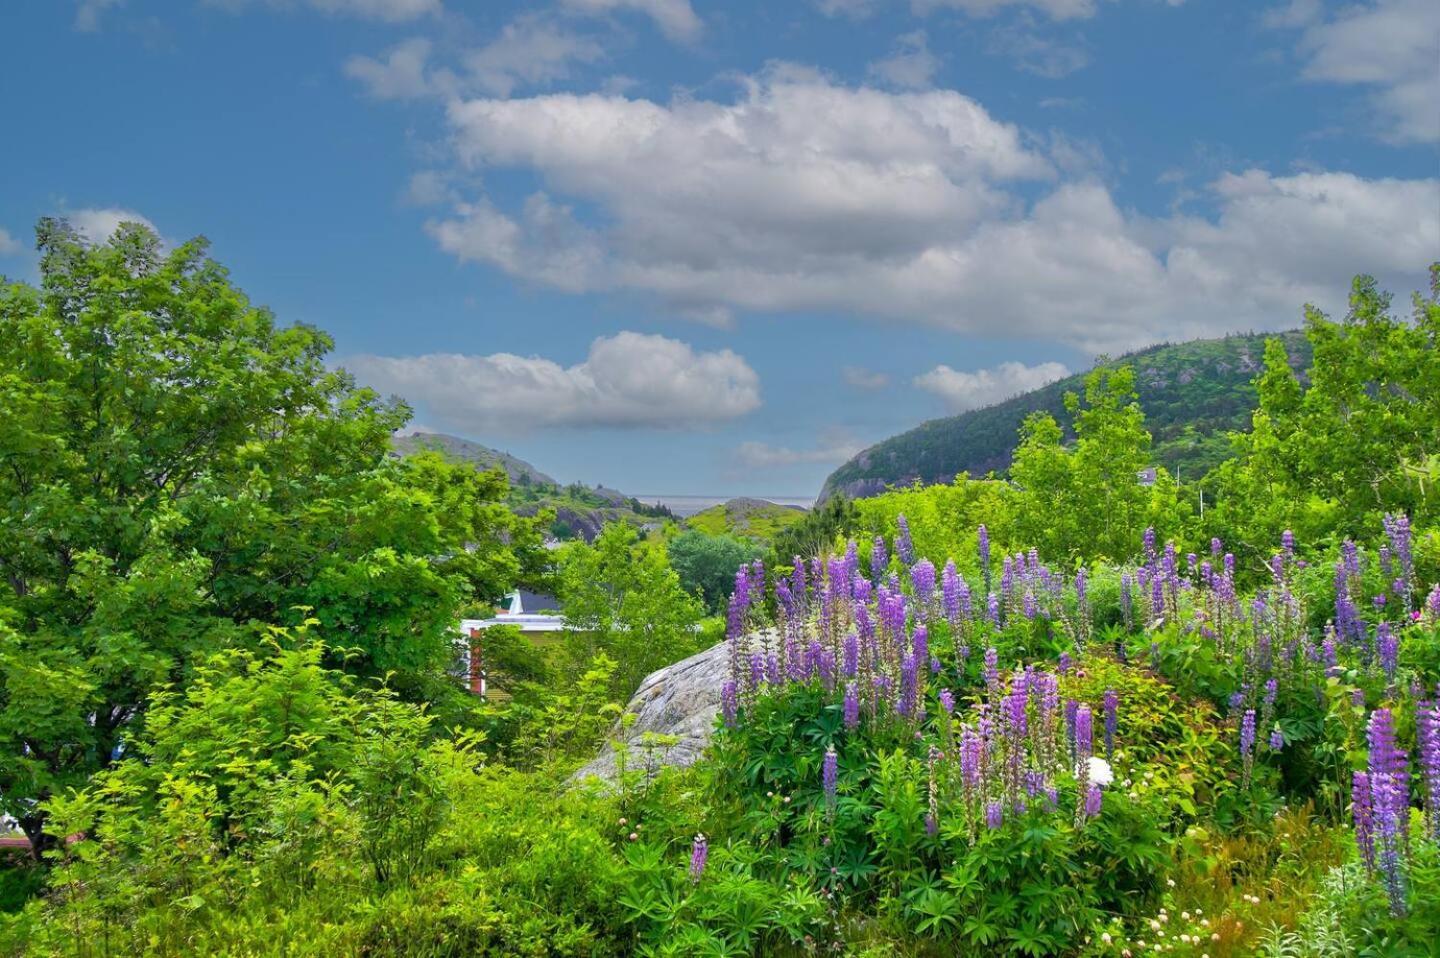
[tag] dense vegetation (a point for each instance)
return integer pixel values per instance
(1192, 395)
(1061, 715)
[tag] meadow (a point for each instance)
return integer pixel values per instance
(1054, 712)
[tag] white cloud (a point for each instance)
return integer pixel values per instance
(97, 225)
(400, 75)
(530, 50)
(832, 449)
(1389, 46)
(89, 12)
(629, 380)
(1055, 9)
(984, 387)
(393, 11)
(9, 245)
(861, 378)
(675, 18)
(854, 9)
(803, 195)
(910, 66)
(1035, 53)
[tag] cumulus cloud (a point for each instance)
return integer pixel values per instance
(629, 380)
(861, 378)
(984, 387)
(1391, 47)
(399, 75)
(9, 245)
(675, 18)
(98, 224)
(910, 66)
(854, 9)
(832, 449)
(802, 194)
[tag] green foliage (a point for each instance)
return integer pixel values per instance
(706, 564)
(1087, 501)
(178, 467)
(626, 602)
(817, 532)
(753, 519)
(1331, 458)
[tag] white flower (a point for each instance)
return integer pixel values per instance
(1099, 771)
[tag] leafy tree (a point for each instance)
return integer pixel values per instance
(1086, 500)
(706, 565)
(818, 532)
(1361, 439)
(176, 469)
(625, 601)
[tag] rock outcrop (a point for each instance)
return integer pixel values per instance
(680, 700)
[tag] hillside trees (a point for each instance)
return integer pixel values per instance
(177, 469)
(706, 564)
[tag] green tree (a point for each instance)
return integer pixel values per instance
(820, 530)
(1086, 500)
(707, 564)
(177, 469)
(1360, 439)
(624, 600)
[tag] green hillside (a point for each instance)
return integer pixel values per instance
(581, 511)
(1193, 394)
(756, 519)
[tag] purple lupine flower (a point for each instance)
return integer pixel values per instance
(1112, 718)
(1216, 546)
(852, 706)
(699, 853)
(1149, 540)
(909, 687)
(994, 815)
(950, 593)
(1272, 688)
(729, 702)
(995, 609)
(1084, 736)
(850, 656)
(1389, 801)
(1364, 816)
(1427, 737)
(1397, 529)
(982, 548)
(992, 667)
(920, 643)
(1387, 647)
(904, 548)
(1247, 744)
(879, 559)
(1287, 542)
(1433, 602)
(1357, 698)
(1064, 664)
(830, 775)
(1093, 801)
(1277, 739)
(922, 580)
(947, 701)
(972, 747)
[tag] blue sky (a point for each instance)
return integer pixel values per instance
(677, 246)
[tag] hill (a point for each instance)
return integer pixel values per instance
(757, 519)
(464, 450)
(1192, 393)
(580, 511)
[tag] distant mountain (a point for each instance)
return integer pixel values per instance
(463, 450)
(1192, 393)
(758, 519)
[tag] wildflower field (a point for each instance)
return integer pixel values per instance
(1058, 712)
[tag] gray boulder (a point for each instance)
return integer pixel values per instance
(679, 700)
